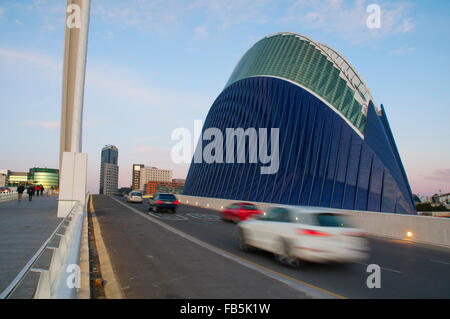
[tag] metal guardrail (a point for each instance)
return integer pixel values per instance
(8, 196)
(53, 281)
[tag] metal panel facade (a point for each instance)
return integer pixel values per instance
(322, 160)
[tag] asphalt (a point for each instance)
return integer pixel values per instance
(24, 227)
(152, 262)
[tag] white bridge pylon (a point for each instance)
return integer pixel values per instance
(72, 162)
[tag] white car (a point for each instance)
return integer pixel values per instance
(311, 235)
(135, 197)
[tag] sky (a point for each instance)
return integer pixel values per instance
(154, 66)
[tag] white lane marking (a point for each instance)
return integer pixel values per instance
(384, 268)
(307, 289)
(212, 218)
(439, 262)
(168, 217)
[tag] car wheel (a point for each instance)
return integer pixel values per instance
(242, 241)
(174, 210)
(236, 220)
(285, 254)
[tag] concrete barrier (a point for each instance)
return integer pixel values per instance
(424, 229)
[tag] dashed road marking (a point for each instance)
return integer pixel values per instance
(304, 287)
(384, 268)
(168, 216)
(207, 217)
(439, 262)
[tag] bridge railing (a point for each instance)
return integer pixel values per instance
(8, 196)
(422, 229)
(62, 279)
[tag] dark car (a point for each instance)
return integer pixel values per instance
(163, 202)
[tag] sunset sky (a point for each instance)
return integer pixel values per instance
(154, 66)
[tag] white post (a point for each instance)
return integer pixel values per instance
(76, 138)
(73, 163)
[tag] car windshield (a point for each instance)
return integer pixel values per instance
(167, 196)
(332, 220)
(136, 194)
(249, 207)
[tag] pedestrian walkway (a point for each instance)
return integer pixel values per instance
(24, 227)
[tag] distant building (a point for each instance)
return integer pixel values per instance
(136, 176)
(47, 177)
(444, 198)
(425, 199)
(109, 170)
(154, 174)
(16, 178)
(124, 190)
(4, 177)
(153, 187)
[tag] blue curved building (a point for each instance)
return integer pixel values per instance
(335, 145)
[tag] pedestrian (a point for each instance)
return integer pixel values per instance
(42, 189)
(37, 188)
(31, 191)
(20, 190)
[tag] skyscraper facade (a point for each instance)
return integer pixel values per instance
(336, 148)
(109, 170)
(154, 174)
(136, 176)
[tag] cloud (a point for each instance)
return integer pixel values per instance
(346, 19)
(112, 80)
(48, 125)
(201, 32)
(32, 58)
(441, 175)
(349, 19)
(153, 149)
(403, 50)
(109, 36)
(172, 17)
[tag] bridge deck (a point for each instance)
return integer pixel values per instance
(24, 227)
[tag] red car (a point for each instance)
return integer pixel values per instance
(240, 211)
(5, 190)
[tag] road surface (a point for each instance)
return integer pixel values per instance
(193, 254)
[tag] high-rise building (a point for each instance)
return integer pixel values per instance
(336, 148)
(154, 174)
(109, 170)
(136, 176)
